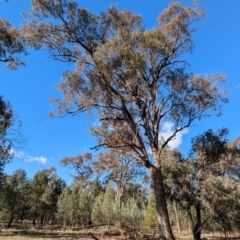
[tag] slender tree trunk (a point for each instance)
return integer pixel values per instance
(42, 219)
(119, 193)
(34, 218)
(22, 215)
(196, 227)
(165, 230)
(108, 224)
(10, 221)
(176, 215)
(189, 227)
(53, 221)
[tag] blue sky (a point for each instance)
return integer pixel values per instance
(217, 41)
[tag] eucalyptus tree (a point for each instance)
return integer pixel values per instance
(10, 134)
(132, 79)
(207, 181)
(120, 169)
(83, 165)
(11, 45)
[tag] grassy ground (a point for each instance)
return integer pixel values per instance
(83, 234)
(13, 234)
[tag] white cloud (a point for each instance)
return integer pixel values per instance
(40, 159)
(18, 154)
(167, 131)
(29, 158)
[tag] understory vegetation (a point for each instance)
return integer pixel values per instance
(201, 192)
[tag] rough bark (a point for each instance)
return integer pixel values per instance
(165, 231)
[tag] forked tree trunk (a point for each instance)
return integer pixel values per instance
(197, 225)
(165, 231)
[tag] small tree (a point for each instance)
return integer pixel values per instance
(108, 205)
(151, 218)
(65, 207)
(12, 195)
(131, 214)
(40, 194)
(97, 214)
(86, 201)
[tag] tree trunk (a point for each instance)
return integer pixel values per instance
(196, 227)
(189, 227)
(10, 221)
(42, 219)
(34, 218)
(165, 231)
(108, 224)
(176, 215)
(22, 215)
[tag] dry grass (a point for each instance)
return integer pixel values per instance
(16, 234)
(83, 234)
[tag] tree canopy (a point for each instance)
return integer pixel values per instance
(11, 45)
(6, 122)
(131, 78)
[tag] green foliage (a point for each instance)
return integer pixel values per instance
(86, 201)
(133, 79)
(150, 218)
(13, 195)
(65, 206)
(206, 183)
(38, 186)
(97, 215)
(6, 121)
(108, 204)
(132, 214)
(45, 188)
(11, 45)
